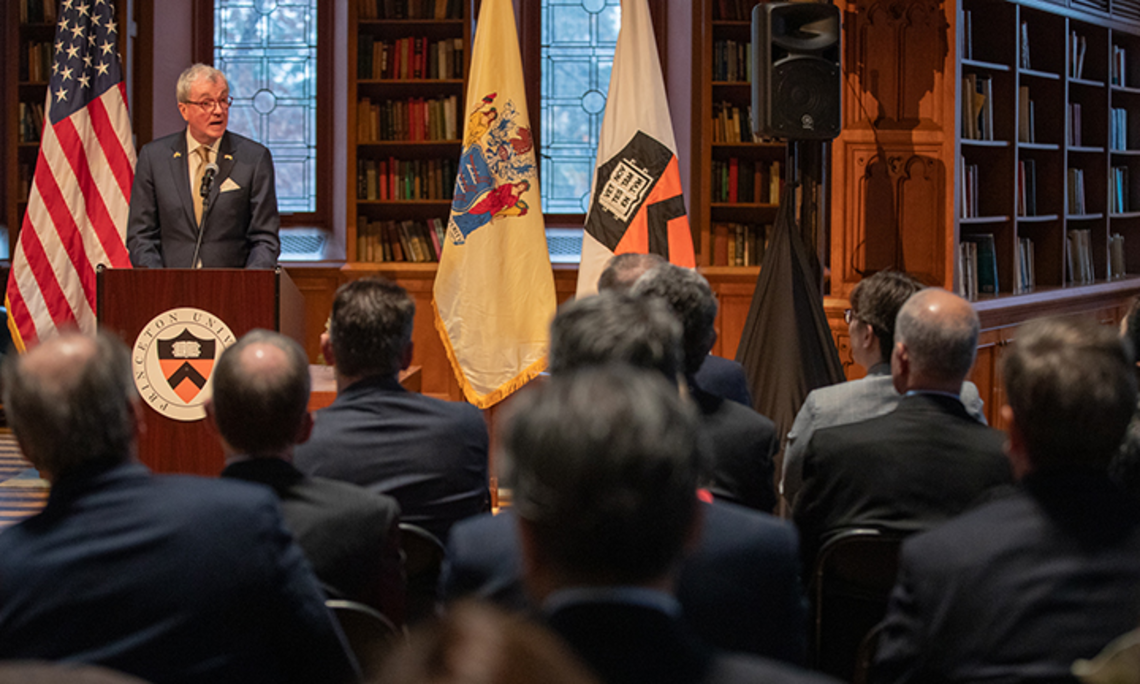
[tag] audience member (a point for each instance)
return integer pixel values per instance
(476, 643)
(603, 466)
(30, 672)
(740, 443)
(740, 587)
(1019, 588)
(717, 375)
(1125, 465)
(168, 578)
(349, 534)
(875, 304)
(925, 461)
(429, 454)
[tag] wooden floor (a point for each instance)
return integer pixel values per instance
(22, 493)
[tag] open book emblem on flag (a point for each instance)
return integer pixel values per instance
(496, 170)
(173, 358)
(642, 178)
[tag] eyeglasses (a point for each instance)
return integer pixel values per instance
(849, 315)
(208, 105)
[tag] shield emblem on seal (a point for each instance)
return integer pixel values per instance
(186, 363)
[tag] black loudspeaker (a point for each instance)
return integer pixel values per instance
(796, 80)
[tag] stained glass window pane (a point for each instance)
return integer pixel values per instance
(578, 40)
(268, 51)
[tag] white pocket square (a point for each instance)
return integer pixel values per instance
(228, 185)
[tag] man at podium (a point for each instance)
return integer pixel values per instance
(204, 197)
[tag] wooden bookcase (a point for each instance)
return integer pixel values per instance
(391, 143)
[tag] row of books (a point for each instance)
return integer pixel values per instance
(1118, 200)
(414, 119)
(742, 181)
(977, 107)
(35, 67)
(37, 11)
(410, 9)
(739, 244)
(405, 179)
(1075, 191)
(1078, 257)
(1026, 117)
(1024, 270)
(733, 10)
(1118, 72)
(1118, 129)
(409, 58)
(1074, 124)
(414, 241)
(1026, 187)
(968, 189)
(732, 124)
(30, 122)
(732, 61)
(977, 266)
(1077, 48)
(1115, 256)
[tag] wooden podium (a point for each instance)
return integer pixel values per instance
(176, 323)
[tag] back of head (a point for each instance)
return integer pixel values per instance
(475, 643)
(70, 401)
(612, 327)
(603, 467)
(876, 301)
(261, 392)
(940, 331)
(370, 327)
(1131, 329)
(1070, 385)
(688, 294)
(623, 270)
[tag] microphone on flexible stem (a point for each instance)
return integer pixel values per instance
(204, 192)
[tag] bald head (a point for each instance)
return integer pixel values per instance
(936, 339)
(70, 401)
(261, 394)
(623, 270)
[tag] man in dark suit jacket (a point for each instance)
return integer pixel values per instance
(741, 443)
(430, 455)
(1016, 590)
(239, 223)
(739, 589)
(169, 578)
(925, 461)
(603, 466)
(260, 410)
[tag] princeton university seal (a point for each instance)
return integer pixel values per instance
(173, 358)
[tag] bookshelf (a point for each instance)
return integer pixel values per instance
(410, 59)
(736, 184)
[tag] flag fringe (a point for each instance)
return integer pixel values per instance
(17, 340)
(483, 401)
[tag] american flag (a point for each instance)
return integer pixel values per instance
(77, 209)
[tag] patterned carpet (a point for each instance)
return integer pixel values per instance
(22, 492)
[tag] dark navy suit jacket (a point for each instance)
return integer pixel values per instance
(724, 378)
(739, 590)
(240, 224)
(173, 579)
(428, 454)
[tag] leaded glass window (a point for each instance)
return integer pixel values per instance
(578, 40)
(268, 51)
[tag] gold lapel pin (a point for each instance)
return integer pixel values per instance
(177, 155)
(228, 157)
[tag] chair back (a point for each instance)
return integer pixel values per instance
(423, 562)
(852, 580)
(370, 635)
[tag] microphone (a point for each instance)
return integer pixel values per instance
(208, 179)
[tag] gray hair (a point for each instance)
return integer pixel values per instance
(1072, 389)
(603, 463)
(192, 75)
(623, 270)
(67, 415)
(943, 344)
(688, 294)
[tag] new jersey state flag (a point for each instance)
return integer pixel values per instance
(637, 204)
(494, 289)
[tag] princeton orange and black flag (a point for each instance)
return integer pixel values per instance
(637, 204)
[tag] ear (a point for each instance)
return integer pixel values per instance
(327, 349)
(1015, 444)
(900, 367)
(305, 429)
(182, 109)
(212, 418)
(406, 358)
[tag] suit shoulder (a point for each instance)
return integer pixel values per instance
(738, 668)
(243, 145)
(731, 522)
(352, 497)
(162, 146)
